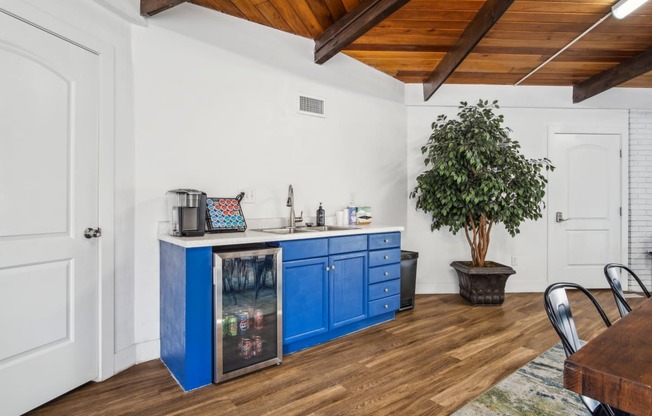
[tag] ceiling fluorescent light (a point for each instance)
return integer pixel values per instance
(625, 7)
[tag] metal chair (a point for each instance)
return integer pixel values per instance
(613, 277)
(559, 312)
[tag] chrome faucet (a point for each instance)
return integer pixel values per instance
(290, 203)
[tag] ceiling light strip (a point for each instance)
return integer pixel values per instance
(623, 8)
(563, 49)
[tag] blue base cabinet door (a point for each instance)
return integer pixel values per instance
(348, 288)
(305, 293)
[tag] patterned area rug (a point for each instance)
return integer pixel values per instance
(534, 389)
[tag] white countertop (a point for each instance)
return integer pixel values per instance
(252, 236)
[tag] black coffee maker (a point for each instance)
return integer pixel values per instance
(187, 212)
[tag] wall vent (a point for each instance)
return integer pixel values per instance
(311, 106)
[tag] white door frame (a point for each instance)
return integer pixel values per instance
(623, 131)
(106, 54)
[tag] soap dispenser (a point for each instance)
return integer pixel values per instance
(321, 216)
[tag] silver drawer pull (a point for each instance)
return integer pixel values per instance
(386, 273)
(386, 257)
(385, 241)
(386, 290)
(333, 267)
(386, 306)
(328, 269)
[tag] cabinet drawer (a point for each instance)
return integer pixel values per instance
(385, 240)
(384, 289)
(380, 257)
(304, 249)
(384, 305)
(346, 244)
(382, 273)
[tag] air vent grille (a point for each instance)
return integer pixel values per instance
(311, 106)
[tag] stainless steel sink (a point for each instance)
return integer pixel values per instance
(333, 228)
(294, 230)
(287, 230)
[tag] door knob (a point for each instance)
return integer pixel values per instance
(559, 217)
(93, 232)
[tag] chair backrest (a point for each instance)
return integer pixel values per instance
(612, 273)
(559, 312)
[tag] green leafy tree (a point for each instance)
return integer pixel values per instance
(476, 177)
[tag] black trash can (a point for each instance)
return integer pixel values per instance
(408, 278)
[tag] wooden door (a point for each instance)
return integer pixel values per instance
(48, 196)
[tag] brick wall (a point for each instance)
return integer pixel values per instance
(640, 195)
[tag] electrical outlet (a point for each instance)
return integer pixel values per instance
(249, 196)
(514, 261)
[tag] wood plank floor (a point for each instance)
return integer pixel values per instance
(429, 361)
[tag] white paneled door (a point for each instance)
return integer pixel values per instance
(48, 196)
(584, 199)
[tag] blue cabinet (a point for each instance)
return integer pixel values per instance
(347, 288)
(340, 286)
(186, 313)
(384, 273)
(305, 298)
(331, 287)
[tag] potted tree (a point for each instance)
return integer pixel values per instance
(476, 177)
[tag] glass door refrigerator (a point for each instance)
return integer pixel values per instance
(247, 298)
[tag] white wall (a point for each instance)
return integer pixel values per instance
(530, 112)
(216, 110)
(640, 196)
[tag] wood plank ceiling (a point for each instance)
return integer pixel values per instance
(410, 43)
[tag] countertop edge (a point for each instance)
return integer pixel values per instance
(252, 237)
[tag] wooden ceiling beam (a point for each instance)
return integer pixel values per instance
(353, 25)
(487, 16)
(152, 7)
(623, 72)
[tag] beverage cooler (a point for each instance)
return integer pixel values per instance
(247, 297)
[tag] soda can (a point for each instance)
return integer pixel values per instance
(232, 326)
(258, 319)
(243, 321)
(257, 346)
(250, 310)
(225, 325)
(245, 348)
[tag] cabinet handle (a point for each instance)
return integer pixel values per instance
(386, 306)
(333, 267)
(386, 257)
(386, 290)
(328, 269)
(386, 273)
(385, 241)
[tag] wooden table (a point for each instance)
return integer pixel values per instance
(616, 367)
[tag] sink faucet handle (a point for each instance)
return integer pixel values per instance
(299, 218)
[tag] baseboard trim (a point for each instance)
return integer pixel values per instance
(124, 359)
(149, 350)
(513, 286)
(135, 354)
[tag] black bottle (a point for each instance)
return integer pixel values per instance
(321, 216)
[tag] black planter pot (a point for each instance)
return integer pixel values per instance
(482, 285)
